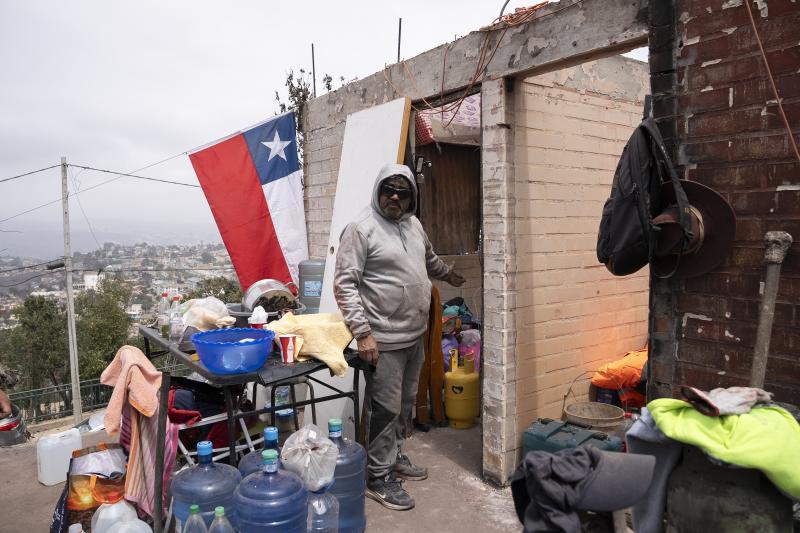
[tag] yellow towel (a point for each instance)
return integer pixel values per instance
(325, 336)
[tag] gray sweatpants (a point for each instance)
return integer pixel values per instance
(390, 395)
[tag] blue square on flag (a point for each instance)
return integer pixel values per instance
(273, 147)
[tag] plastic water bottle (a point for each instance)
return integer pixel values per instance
(323, 512)
(175, 320)
(253, 462)
(206, 484)
(349, 480)
(163, 315)
(195, 522)
(220, 523)
(271, 501)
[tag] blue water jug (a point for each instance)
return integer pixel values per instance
(206, 484)
(253, 462)
(349, 480)
(271, 501)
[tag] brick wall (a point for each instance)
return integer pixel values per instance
(468, 266)
(572, 314)
(717, 111)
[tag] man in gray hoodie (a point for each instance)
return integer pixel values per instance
(383, 289)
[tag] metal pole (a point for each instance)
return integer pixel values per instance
(77, 408)
(777, 244)
(399, 35)
(313, 70)
(161, 438)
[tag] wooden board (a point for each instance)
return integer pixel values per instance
(450, 198)
(372, 138)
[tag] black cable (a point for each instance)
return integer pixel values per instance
(28, 173)
(113, 270)
(17, 269)
(39, 275)
(123, 174)
(92, 187)
(80, 204)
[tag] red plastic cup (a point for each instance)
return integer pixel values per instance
(288, 344)
(257, 325)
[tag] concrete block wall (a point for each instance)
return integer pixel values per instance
(571, 314)
(469, 266)
(716, 109)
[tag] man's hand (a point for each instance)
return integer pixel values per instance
(368, 349)
(455, 279)
(5, 404)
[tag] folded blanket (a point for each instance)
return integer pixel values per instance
(325, 336)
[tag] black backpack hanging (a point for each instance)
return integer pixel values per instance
(627, 236)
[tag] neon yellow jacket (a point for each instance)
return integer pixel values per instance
(766, 438)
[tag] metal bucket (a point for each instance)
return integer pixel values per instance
(599, 416)
(235, 310)
(15, 432)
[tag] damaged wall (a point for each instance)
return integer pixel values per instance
(715, 106)
(572, 314)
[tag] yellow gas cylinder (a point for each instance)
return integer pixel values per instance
(462, 392)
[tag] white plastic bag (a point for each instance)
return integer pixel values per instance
(206, 313)
(311, 455)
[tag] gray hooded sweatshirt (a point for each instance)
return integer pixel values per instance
(381, 283)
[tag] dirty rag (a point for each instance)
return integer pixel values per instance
(767, 438)
(546, 488)
(645, 438)
(325, 336)
(136, 382)
(730, 401)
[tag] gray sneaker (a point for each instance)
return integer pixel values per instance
(405, 470)
(388, 492)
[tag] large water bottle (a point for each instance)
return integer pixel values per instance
(323, 512)
(220, 523)
(271, 501)
(349, 480)
(253, 462)
(206, 484)
(195, 522)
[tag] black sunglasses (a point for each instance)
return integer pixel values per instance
(402, 194)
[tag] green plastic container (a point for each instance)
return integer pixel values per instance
(549, 435)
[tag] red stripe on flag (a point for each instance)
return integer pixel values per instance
(234, 193)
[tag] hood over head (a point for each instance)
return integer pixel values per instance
(389, 171)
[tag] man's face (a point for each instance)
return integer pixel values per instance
(395, 197)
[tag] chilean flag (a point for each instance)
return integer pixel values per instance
(252, 181)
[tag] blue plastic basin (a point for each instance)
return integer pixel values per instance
(224, 351)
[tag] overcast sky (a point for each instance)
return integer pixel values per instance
(121, 85)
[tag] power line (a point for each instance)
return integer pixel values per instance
(92, 187)
(39, 275)
(17, 269)
(28, 173)
(123, 174)
(80, 204)
(111, 270)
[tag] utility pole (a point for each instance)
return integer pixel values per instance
(313, 70)
(77, 408)
(399, 35)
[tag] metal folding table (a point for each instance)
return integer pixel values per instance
(273, 374)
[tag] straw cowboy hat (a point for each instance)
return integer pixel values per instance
(713, 226)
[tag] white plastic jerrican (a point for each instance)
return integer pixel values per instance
(107, 515)
(131, 526)
(53, 453)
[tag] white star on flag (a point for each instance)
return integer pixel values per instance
(276, 147)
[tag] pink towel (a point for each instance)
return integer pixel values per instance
(136, 382)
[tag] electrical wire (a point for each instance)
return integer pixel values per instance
(113, 270)
(39, 275)
(17, 269)
(80, 204)
(93, 186)
(28, 173)
(123, 175)
(772, 81)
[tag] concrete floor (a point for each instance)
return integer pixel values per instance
(453, 498)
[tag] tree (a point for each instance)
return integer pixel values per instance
(226, 289)
(206, 258)
(101, 324)
(37, 347)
